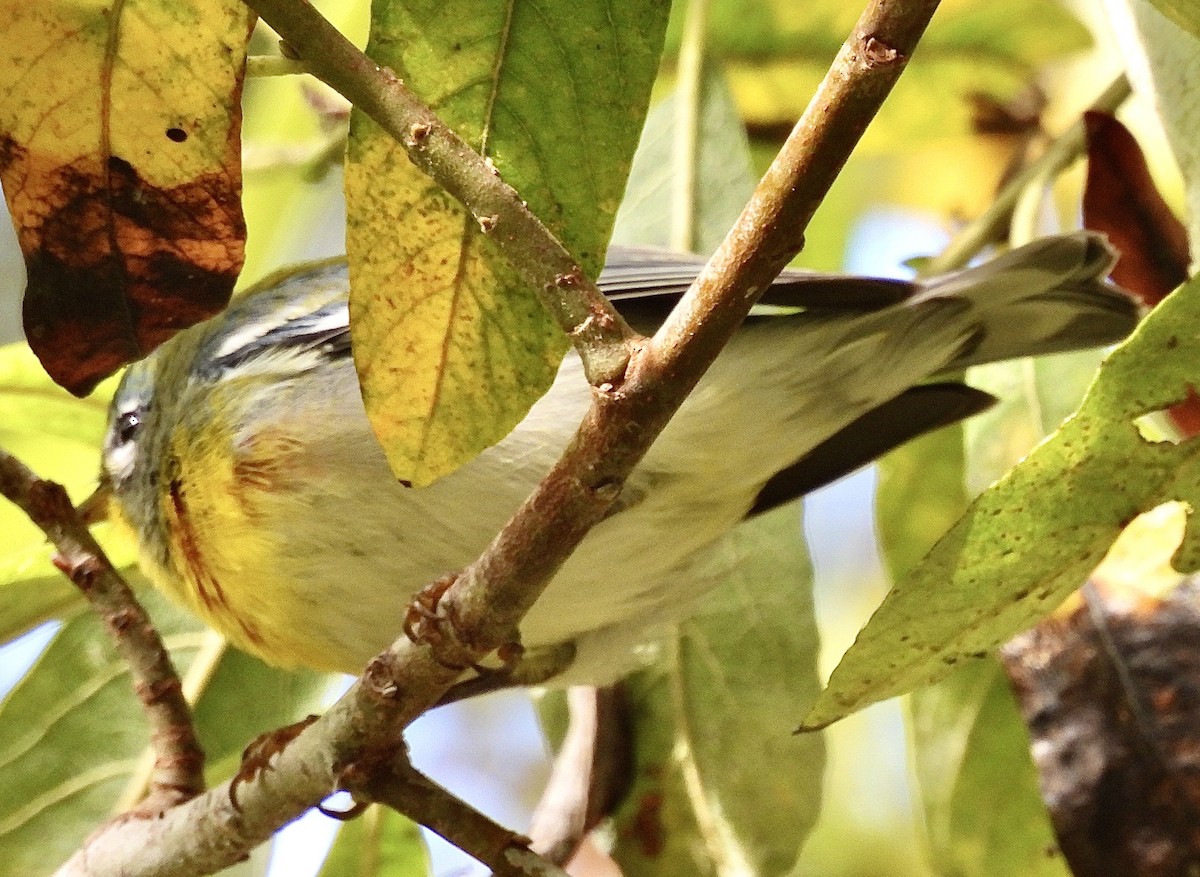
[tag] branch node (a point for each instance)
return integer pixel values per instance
(379, 677)
(151, 692)
(418, 131)
(432, 622)
(487, 223)
(878, 53)
(121, 620)
(256, 758)
(607, 491)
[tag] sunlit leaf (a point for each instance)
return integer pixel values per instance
(380, 843)
(119, 154)
(451, 346)
(1029, 541)
(58, 436)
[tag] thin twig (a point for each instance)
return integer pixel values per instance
(199, 674)
(591, 772)
(601, 336)
(407, 790)
(989, 226)
(487, 600)
(178, 773)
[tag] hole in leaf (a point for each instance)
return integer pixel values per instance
(1158, 427)
(1139, 561)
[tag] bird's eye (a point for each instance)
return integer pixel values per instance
(127, 426)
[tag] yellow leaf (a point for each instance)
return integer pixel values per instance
(452, 347)
(447, 337)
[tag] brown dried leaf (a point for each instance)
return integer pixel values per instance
(1121, 200)
(120, 159)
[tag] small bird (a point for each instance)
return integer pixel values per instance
(240, 458)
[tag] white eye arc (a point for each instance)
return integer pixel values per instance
(126, 426)
(121, 447)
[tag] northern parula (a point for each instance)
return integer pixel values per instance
(241, 458)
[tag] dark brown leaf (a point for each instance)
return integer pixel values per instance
(1121, 200)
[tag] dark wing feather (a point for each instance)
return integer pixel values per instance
(912, 413)
(646, 283)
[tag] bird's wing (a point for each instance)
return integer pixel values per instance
(913, 413)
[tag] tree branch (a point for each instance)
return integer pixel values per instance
(178, 772)
(483, 607)
(404, 788)
(601, 336)
(592, 771)
(622, 423)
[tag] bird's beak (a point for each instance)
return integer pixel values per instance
(94, 509)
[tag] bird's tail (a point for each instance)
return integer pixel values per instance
(1048, 296)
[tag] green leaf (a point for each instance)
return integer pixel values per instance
(747, 667)
(28, 598)
(380, 843)
(919, 497)
(656, 828)
(451, 346)
(722, 784)
(58, 436)
(657, 834)
(968, 742)
(70, 740)
(724, 181)
(1035, 396)
(1030, 540)
(73, 738)
(228, 719)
